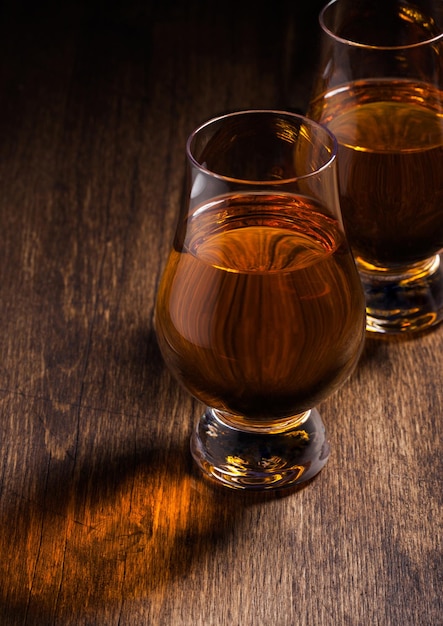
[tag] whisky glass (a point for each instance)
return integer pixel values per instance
(260, 311)
(379, 90)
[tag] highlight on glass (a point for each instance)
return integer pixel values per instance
(260, 312)
(379, 90)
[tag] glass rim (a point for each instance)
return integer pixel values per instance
(332, 156)
(368, 46)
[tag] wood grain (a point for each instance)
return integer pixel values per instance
(103, 517)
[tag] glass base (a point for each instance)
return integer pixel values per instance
(260, 458)
(403, 302)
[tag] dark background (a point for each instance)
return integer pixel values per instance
(279, 37)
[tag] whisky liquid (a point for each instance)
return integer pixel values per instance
(390, 164)
(261, 312)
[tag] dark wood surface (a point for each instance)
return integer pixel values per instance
(103, 519)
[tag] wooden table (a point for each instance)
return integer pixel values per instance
(103, 518)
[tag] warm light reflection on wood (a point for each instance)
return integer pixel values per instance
(100, 549)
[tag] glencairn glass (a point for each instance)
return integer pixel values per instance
(260, 311)
(379, 90)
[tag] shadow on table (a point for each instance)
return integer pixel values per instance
(100, 528)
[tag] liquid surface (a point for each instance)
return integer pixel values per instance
(261, 313)
(390, 138)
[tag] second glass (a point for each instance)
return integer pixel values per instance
(379, 90)
(260, 312)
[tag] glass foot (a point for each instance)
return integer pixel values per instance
(404, 302)
(259, 459)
